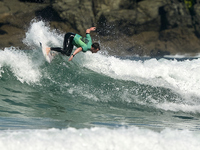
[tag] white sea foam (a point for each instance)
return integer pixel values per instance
(179, 75)
(99, 139)
(20, 64)
(182, 77)
(40, 31)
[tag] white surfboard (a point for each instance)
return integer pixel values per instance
(48, 57)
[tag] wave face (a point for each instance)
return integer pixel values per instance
(96, 95)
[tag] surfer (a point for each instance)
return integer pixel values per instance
(82, 43)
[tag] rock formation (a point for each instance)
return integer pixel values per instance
(124, 27)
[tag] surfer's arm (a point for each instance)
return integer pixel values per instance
(90, 29)
(75, 52)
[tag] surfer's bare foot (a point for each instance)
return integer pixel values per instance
(48, 49)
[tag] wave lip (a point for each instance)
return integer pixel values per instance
(182, 76)
(20, 65)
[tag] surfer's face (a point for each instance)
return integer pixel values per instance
(93, 50)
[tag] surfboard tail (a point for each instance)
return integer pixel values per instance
(46, 53)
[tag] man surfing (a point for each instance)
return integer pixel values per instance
(82, 44)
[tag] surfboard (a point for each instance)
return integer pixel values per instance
(49, 56)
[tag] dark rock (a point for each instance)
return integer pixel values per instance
(158, 53)
(125, 27)
(175, 16)
(196, 19)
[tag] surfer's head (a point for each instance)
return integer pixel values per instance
(95, 47)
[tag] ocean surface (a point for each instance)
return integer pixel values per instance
(96, 101)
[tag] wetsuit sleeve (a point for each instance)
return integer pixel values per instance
(89, 39)
(89, 43)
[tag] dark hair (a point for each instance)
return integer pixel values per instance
(96, 45)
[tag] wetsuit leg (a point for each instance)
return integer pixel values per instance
(67, 44)
(57, 49)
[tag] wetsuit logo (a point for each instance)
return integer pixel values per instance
(84, 40)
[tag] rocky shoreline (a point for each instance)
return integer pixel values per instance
(124, 27)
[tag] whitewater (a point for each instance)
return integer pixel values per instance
(97, 101)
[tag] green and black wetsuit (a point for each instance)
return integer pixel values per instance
(72, 39)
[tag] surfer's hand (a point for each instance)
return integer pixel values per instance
(75, 52)
(90, 29)
(71, 58)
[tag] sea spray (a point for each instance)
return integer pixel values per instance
(40, 31)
